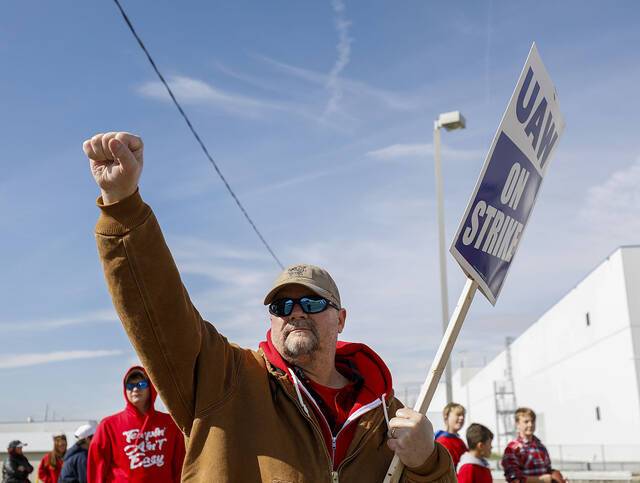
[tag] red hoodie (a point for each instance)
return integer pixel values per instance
(454, 445)
(131, 447)
(354, 361)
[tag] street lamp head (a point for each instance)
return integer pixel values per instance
(451, 120)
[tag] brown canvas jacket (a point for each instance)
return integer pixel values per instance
(241, 417)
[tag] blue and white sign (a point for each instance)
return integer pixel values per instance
(492, 226)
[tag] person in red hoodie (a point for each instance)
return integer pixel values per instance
(138, 444)
(453, 414)
(51, 463)
(474, 467)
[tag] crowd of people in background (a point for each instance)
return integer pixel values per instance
(525, 459)
(141, 444)
(138, 444)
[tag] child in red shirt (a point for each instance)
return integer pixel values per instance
(453, 414)
(473, 466)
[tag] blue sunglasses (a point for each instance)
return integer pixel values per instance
(144, 384)
(309, 305)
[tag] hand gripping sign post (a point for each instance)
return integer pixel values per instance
(493, 223)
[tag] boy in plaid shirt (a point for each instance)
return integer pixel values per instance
(526, 460)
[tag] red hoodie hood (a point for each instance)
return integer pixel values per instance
(129, 406)
(368, 364)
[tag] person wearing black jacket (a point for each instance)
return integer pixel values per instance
(74, 469)
(16, 468)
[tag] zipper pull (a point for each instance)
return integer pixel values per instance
(334, 474)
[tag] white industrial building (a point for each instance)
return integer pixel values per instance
(578, 367)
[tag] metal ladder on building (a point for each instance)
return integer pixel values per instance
(505, 403)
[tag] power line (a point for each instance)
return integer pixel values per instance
(195, 134)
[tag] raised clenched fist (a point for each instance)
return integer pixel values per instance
(116, 163)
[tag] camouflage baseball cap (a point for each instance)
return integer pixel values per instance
(310, 276)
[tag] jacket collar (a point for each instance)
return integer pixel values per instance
(446, 434)
(469, 459)
(534, 441)
(354, 360)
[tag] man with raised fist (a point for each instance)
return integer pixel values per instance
(304, 407)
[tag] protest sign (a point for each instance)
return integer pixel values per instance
(492, 226)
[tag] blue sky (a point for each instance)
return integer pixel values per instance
(320, 115)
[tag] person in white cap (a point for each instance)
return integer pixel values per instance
(74, 469)
(304, 407)
(16, 468)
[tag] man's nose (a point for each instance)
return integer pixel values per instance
(296, 311)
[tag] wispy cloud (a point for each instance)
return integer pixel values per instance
(236, 281)
(254, 81)
(186, 246)
(614, 205)
(10, 361)
(344, 54)
(193, 91)
(305, 178)
(421, 150)
(97, 316)
(229, 268)
(397, 101)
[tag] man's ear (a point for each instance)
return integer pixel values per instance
(342, 318)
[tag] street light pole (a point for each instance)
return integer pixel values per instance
(450, 121)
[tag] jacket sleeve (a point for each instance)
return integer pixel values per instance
(100, 456)
(69, 473)
(438, 468)
(173, 342)
(43, 473)
(81, 471)
(10, 469)
(511, 465)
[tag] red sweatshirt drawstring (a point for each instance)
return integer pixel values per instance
(140, 433)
